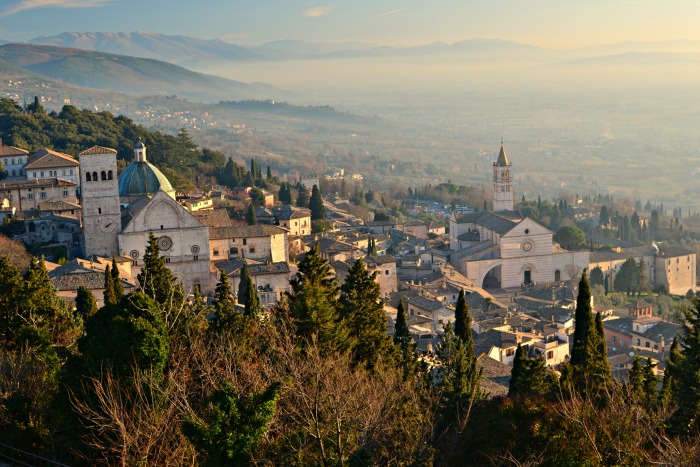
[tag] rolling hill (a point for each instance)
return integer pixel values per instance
(124, 74)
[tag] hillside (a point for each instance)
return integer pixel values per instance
(118, 73)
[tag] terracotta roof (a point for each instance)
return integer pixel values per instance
(98, 150)
(11, 151)
(214, 218)
(58, 206)
(495, 379)
(233, 268)
(46, 159)
(244, 231)
(35, 183)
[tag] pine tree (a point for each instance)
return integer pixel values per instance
(243, 284)
(530, 375)
(85, 303)
(318, 210)
(636, 378)
(313, 304)
(362, 312)
(250, 216)
(11, 286)
(117, 286)
(156, 280)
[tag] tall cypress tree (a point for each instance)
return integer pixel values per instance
(530, 375)
(243, 284)
(589, 360)
(250, 216)
(463, 320)
(401, 331)
(253, 306)
(116, 281)
(109, 296)
(362, 311)
(303, 197)
(318, 210)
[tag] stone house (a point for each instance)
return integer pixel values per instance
(259, 242)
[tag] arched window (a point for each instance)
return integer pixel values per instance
(109, 175)
(71, 171)
(21, 171)
(13, 173)
(19, 161)
(34, 174)
(41, 174)
(13, 162)
(88, 178)
(104, 175)
(94, 177)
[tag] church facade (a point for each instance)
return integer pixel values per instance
(503, 249)
(148, 205)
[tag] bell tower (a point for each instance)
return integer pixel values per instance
(502, 183)
(100, 201)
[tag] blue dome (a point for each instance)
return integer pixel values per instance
(138, 145)
(142, 178)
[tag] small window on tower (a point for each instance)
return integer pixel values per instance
(99, 210)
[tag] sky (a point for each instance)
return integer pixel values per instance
(545, 23)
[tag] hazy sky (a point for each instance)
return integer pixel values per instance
(549, 23)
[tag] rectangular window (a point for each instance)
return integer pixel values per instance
(614, 338)
(30, 196)
(550, 355)
(42, 195)
(245, 241)
(510, 352)
(167, 259)
(65, 193)
(196, 257)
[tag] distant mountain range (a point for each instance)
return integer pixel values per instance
(124, 74)
(189, 51)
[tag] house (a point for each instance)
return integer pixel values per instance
(384, 266)
(90, 273)
(297, 221)
(13, 160)
(259, 242)
(643, 333)
(501, 345)
(334, 250)
(418, 229)
(45, 164)
(271, 279)
(26, 195)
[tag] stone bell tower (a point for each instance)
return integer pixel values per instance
(502, 183)
(100, 201)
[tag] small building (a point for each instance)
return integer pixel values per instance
(46, 164)
(271, 279)
(13, 160)
(26, 195)
(259, 242)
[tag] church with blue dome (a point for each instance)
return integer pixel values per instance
(118, 216)
(141, 178)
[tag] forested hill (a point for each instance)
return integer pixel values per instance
(72, 131)
(121, 73)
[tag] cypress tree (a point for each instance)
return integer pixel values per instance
(85, 303)
(590, 366)
(109, 296)
(651, 380)
(636, 378)
(269, 173)
(463, 320)
(362, 311)
(517, 374)
(117, 286)
(253, 306)
(318, 210)
(243, 284)
(671, 373)
(686, 374)
(303, 197)
(250, 216)
(401, 331)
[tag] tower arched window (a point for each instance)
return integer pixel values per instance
(104, 175)
(109, 175)
(94, 177)
(88, 178)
